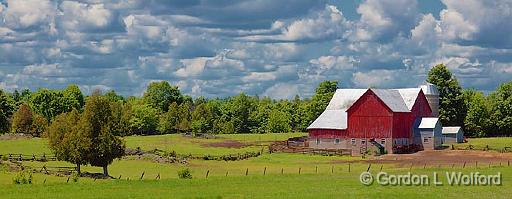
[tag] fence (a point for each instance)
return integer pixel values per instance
(486, 148)
(25, 157)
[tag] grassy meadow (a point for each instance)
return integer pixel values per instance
(268, 176)
(494, 143)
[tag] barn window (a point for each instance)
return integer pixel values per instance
(363, 141)
(353, 141)
(317, 140)
(383, 141)
(425, 139)
(337, 141)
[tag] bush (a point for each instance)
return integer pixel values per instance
(75, 176)
(22, 178)
(185, 174)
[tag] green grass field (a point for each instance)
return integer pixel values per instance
(268, 176)
(494, 143)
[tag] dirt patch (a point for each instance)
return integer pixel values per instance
(442, 157)
(15, 136)
(226, 144)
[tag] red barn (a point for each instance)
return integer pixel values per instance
(360, 119)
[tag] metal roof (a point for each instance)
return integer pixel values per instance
(344, 98)
(451, 129)
(392, 99)
(330, 119)
(428, 122)
(429, 89)
(409, 95)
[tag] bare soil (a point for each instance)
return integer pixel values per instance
(11, 136)
(226, 144)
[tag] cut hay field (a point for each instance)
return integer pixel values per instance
(273, 175)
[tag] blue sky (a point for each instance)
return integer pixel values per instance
(261, 47)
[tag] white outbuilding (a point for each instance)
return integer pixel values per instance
(453, 134)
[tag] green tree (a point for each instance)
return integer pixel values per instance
(6, 110)
(452, 110)
(22, 120)
(144, 120)
(96, 125)
(202, 119)
(502, 109)
(278, 122)
(71, 98)
(112, 96)
(239, 110)
(47, 103)
(121, 115)
(66, 141)
(323, 95)
(39, 125)
(169, 120)
(184, 121)
(160, 95)
(477, 122)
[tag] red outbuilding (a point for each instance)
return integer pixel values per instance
(380, 119)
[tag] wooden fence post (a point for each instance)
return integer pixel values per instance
(332, 169)
(464, 166)
(369, 166)
(299, 169)
(226, 173)
(349, 167)
(316, 169)
(158, 177)
(424, 165)
(141, 176)
(265, 171)
(246, 171)
(509, 163)
(282, 170)
(119, 177)
(44, 182)
(476, 164)
(381, 167)
(207, 173)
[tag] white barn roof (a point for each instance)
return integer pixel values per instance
(330, 119)
(428, 122)
(392, 99)
(409, 95)
(451, 129)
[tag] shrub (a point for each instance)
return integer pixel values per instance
(184, 174)
(75, 176)
(22, 178)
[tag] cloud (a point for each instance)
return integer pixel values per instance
(383, 20)
(328, 23)
(273, 48)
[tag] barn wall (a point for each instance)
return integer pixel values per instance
(421, 107)
(402, 125)
(369, 117)
(327, 133)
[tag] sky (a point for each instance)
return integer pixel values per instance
(269, 48)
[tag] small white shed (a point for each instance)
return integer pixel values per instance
(453, 134)
(429, 132)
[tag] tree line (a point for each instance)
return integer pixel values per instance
(163, 109)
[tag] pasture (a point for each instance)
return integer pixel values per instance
(276, 175)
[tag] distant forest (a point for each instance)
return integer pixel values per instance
(163, 109)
